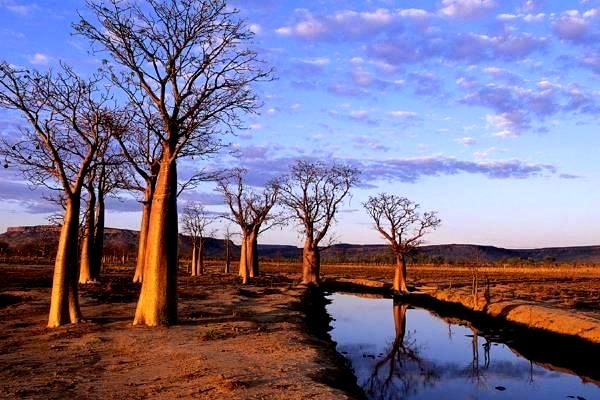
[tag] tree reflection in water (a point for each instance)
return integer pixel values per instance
(402, 371)
(477, 371)
(430, 357)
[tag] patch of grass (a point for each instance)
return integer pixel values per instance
(212, 334)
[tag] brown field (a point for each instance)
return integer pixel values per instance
(563, 286)
(251, 343)
(254, 342)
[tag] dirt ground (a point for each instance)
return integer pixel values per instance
(255, 342)
(261, 341)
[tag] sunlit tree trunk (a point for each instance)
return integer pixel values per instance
(86, 262)
(252, 249)
(141, 258)
(400, 321)
(64, 301)
(99, 237)
(194, 271)
(243, 269)
(157, 304)
(400, 274)
(311, 264)
(247, 255)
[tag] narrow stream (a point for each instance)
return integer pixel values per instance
(401, 352)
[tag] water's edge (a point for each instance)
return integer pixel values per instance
(318, 326)
(568, 353)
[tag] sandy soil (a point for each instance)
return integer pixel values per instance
(255, 342)
(262, 341)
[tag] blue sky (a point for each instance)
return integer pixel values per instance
(484, 110)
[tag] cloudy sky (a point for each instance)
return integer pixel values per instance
(484, 110)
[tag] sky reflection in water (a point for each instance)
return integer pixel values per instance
(399, 352)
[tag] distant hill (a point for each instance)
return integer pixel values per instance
(42, 240)
(464, 253)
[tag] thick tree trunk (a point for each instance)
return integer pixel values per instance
(400, 275)
(400, 321)
(194, 271)
(252, 249)
(99, 237)
(141, 257)
(64, 302)
(243, 272)
(311, 264)
(157, 304)
(86, 262)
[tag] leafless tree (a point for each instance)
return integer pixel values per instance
(86, 259)
(113, 175)
(251, 210)
(185, 64)
(227, 241)
(195, 221)
(67, 121)
(313, 193)
(397, 219)
(141, 147)
(109, 174)
(402, 371)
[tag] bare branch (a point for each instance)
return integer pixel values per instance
(313, 194)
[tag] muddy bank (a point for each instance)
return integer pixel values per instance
(264, 340)
(530, 314)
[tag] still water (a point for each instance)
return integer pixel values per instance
(400, 352)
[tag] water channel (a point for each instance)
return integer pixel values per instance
(401, 352)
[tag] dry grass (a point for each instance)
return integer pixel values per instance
(564, 286)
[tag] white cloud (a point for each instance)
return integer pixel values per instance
(39, 59)
(359, 114)
(413, 13)
(255, 28)
(466, 8)
(525, 17)
(320, 61)
(484, 153)
(508, 124)
(13, 6)
(284, 31)
(403, 114)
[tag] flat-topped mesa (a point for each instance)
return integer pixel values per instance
(33, 229)
(56, 228)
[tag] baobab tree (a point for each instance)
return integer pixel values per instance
(402, 371)
(141, 148)
(195, 221)
(86, 259)
(251, 210)
(110, 173)
(185, 64)
(398, 220)
(227, 239)
(67, 121)
(313, 193)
